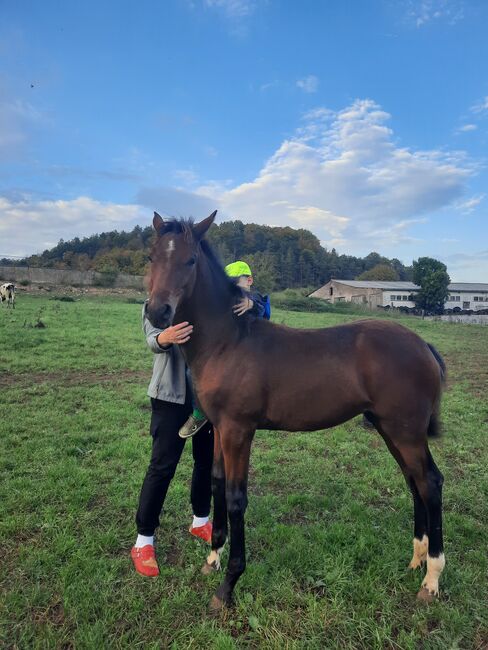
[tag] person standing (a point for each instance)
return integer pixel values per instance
(171, 404)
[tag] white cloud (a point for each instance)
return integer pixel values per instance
(232, 8)
(481, 106)
(423, 12)
(28, 227)
(469, 205)
(308, 84)
(345, 177)
(467, 127)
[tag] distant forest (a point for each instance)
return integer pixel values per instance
(280, 258)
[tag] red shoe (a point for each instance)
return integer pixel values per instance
(144, 560)
(203, 532)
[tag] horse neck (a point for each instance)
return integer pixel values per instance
(209, 309)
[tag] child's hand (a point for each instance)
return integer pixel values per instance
(244, 305)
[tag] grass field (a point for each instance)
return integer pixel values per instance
(329, 523)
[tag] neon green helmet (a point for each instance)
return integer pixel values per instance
(236, 269)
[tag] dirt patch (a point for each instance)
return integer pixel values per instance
(53, 614)
(72, 377)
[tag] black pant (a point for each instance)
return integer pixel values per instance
(166, 420)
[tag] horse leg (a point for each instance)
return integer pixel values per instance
(425, 482)
(236, 446)
(219, 529)
(420, 539)
(430, 490)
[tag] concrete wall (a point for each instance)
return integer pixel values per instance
(68, 278)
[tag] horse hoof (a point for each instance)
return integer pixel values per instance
(416, 564)
(426, 596)
(207, 569)
(216, 605)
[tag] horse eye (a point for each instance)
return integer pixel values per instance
(191, 261)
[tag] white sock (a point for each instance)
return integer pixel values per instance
(144, 540)
(199, 521)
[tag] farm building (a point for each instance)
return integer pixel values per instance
(375, 293)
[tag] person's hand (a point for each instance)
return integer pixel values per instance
(175, 334)
(242, 306)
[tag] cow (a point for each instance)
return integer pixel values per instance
(7, 293)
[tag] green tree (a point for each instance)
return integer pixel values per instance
(379, 272)
(433, 279)
(263, 270)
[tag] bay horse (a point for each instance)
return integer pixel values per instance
(251, 373)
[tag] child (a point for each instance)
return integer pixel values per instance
(254, 303)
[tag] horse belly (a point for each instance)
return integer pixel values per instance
(315, 405)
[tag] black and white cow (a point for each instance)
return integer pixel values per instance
(7, 293)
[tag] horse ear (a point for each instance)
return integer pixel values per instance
(158, 222)
(201, 228)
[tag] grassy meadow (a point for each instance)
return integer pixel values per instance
(329, 523)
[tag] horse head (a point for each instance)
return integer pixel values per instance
(172, 273)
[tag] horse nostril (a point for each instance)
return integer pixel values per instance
(160, 316)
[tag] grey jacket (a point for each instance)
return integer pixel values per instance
(168, 381)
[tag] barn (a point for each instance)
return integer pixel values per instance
(376, 293)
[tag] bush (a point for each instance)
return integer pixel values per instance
(24, 283)
(295, 300)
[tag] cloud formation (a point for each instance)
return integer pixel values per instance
(467, 127)
(344, 176)
(423, 12)
(309, 84)
(481, 106)
(28, 227)
(232, 8)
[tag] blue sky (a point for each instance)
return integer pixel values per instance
(366, 122)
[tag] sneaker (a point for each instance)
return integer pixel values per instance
(144, 559)
(192, 426)
(203, 532)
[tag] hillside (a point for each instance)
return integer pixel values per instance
(279, 257)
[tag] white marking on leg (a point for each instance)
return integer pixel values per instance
(214, 558)
(435, 566)
(420, 548)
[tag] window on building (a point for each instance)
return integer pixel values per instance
(392, 298)
(404, 297)
(331, 291)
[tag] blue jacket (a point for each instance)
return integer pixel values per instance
(259, 306)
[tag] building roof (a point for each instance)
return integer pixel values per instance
(401, 285)
(473, 287)
(380, 284)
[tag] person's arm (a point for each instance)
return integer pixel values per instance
(161, 340)
(252, 303)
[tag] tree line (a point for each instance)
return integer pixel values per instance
(280, 257)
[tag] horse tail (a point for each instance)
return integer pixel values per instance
(439, 360)
(435, 428)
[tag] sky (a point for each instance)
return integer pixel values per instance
(364, 122)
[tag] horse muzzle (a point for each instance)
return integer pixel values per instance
(160, 315)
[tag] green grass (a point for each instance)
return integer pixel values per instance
(329, 523)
